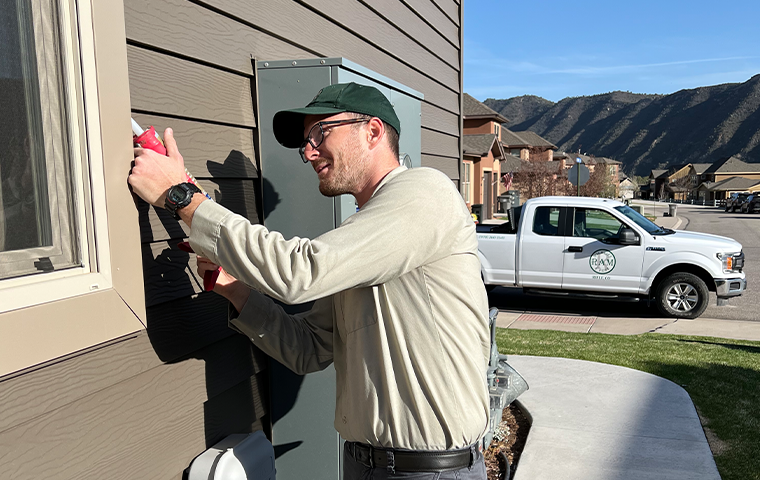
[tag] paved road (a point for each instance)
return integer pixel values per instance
(745, 228)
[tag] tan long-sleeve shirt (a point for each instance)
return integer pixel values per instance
(400, 309)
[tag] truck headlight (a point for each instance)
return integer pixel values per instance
(731, 262)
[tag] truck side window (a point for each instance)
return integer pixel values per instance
(596, 224)
(546, 221)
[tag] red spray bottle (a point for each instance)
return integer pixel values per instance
(149, 139)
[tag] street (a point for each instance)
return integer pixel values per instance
(745, 228)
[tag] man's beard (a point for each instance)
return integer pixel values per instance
(349, 167)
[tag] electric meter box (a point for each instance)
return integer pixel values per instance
(303, 407)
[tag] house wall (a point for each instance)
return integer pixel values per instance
(478, 126)
(723, 176)
(545, 156)
(145, 403)
(479, 169)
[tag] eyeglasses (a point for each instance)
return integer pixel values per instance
(317, 134)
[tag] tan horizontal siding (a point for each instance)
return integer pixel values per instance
(439, 144)
(209, 150)
(429, 11)
(213, 38)
(163, 84)
(365, 23)
(149, 426)
(169, 273)
(450, 9)
(326, 39)
(181, 327)
(434, 118)
(48, 387)
(156, 224)
(400, 15)
(448, 165)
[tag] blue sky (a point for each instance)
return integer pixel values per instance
(557, 49)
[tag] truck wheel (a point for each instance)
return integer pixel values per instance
(682, 295)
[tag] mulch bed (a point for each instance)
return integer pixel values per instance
(509, 438)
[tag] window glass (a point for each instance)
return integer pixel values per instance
(546, 221)
(36, 200)
(596, 224)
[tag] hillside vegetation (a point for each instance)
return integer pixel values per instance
(699, 125)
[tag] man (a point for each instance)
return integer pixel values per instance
(399, 304)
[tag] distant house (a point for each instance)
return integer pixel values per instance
(627, 188)
(709, 191)
(527, 145)
(697, 173)
(613, 172)
(481, 156)
(673, 183)
(726, 176)
(481, 152)
(732, 166)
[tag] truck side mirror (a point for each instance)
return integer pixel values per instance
(628, 237)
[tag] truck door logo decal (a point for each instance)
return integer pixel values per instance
(602, 261)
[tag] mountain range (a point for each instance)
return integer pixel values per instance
(644, 132)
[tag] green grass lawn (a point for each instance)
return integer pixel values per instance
(722, 377)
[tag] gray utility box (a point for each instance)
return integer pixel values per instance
(303, 407)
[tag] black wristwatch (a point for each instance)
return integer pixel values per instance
(180, 196)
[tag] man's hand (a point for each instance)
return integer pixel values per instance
(226, 285)
(153, 174)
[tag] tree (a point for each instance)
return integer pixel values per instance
(540, 178)
(597, 182)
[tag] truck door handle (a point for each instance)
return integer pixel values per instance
(574, 249)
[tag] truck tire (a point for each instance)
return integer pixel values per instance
(682, 295)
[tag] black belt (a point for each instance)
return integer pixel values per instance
(412, 461)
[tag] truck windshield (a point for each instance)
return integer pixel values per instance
(639, 219)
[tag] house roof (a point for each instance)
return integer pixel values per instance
(472, 108)
(511, 139)
(510, 163)
(699, 168)
(533, 139)
(733, 184)
(733, 164)
(657, 173)
(627, 181)
(480, 144)
(607, 161)
(677, 168)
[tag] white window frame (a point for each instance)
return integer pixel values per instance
(466, 187)
(77, 48)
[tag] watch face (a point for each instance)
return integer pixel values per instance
(177, 195)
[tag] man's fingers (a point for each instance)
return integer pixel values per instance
(170, 143)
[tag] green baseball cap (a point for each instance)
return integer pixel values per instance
(342, 97)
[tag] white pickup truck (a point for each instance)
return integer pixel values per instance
(597, 248)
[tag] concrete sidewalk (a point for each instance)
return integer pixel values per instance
(594, 421)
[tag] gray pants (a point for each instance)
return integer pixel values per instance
(353, 470)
